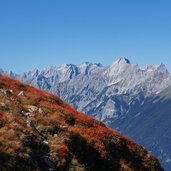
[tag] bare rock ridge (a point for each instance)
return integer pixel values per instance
(39, 132)
(115, 94)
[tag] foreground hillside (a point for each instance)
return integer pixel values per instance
(38, 131)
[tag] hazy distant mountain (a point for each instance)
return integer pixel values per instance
(134, 100)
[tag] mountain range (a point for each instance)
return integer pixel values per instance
(39, 132)
(131, 99)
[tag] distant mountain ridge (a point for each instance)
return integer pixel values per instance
(116, 94)
(39, 132)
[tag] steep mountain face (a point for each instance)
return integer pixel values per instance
(48, 78)
(148, 122)
(114, 95)
(39, 132)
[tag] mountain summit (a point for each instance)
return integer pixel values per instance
(115, 94)
(123, 60)
(38, 131)
(120, 63)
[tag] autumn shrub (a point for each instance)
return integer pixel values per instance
(70, 109)
(4, 107)
(16, 111)
(60, 150)
(56, 100)
(88, 155)
(2, 123)
(35, 101)
(50, 130)
(2, 85)
(2, 120)
(60, 154)
(37, 147)
(21, 87)
(70, 120)
(55, 130)
(10, 161)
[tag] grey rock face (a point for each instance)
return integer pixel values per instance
(129, 98)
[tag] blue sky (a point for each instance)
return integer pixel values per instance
(41, 33)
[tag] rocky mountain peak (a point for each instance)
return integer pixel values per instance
(109, 93)
(163, 68)
(121, 63)
(124, 60)
(120, 66)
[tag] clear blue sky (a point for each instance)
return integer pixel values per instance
(41, 33)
